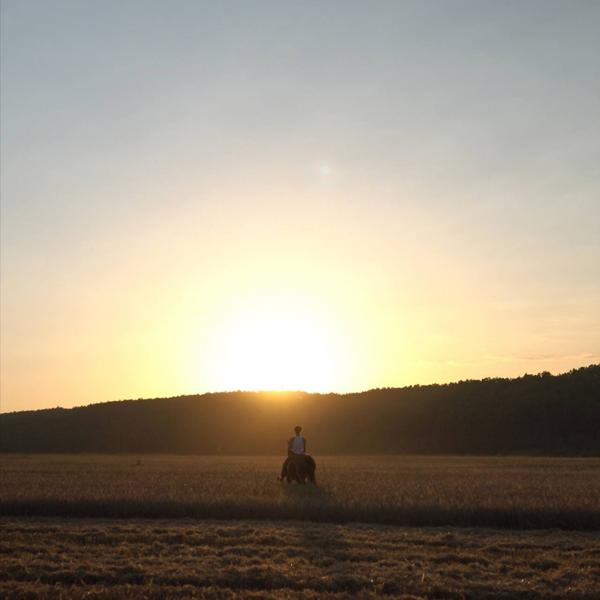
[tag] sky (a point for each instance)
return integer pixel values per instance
(330, 196)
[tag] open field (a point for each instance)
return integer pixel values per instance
(111, 559)
(123, 526)
(403, 490)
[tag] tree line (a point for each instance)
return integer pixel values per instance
(534, 414)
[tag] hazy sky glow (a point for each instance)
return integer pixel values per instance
(327, 196)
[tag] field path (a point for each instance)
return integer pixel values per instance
(98, 558)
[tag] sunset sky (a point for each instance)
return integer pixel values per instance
(330, 196)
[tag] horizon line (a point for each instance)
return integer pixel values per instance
(316, 393)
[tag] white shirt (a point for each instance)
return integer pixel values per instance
(297, 445)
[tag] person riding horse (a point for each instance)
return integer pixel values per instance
(298, 465)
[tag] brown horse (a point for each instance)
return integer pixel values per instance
(301, 467)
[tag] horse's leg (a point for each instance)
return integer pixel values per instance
(302, 476)
(311, 467)
(291, 472)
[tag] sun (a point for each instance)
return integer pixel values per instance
(278, 344)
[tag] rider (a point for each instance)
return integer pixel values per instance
(296, 445)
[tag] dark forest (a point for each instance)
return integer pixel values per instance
(534, 414)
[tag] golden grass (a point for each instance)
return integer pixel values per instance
(116, 559)
(403, 490)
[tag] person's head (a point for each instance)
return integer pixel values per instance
(297, 429)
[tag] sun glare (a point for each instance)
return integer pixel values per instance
(278, 345)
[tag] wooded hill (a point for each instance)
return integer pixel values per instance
(533, 414)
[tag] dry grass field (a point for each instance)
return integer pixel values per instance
(213, 527)
(113, 559)
(403, 490)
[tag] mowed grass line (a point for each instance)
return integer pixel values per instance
(509, 493)
(415, 516)
(94, 558)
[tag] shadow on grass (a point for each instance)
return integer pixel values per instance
(309, 503)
